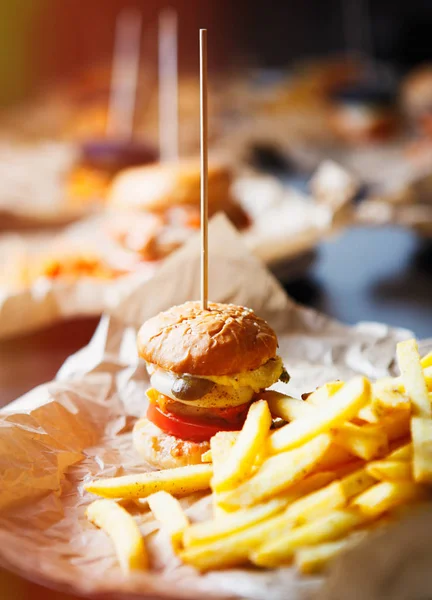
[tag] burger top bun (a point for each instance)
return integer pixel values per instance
(417, 90)
(161, 186)
(223, 340)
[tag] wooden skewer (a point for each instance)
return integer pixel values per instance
(124, 77)
(204, 168)
(168, 86)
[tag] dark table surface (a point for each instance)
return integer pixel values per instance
(364, 274)
(381, 274)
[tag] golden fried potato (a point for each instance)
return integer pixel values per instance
(421, 433)
(179, 482)
(123, 531)
(167, 510)
(330, 527)
(277, 474)
(249, 443)
(208, 531)
(340, 407)
(390, 470)
(386, 495)
(413, 378)
(335, 495)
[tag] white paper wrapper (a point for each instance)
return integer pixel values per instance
(287, 227)
(398, 191)
(63, 433)
(398, 185)
(32, 190)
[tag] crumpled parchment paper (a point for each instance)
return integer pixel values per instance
(61, 434)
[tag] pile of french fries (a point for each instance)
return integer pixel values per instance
(302, 481)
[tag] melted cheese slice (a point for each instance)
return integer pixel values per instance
(259, 379)
(230, 390)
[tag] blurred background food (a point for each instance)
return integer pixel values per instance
(320, 121)
(290, 88)
(320, 130)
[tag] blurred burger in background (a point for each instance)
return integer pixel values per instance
(416, 98)
(160, 205)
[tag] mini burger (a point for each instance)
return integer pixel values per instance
(156, 208)
(206, 367)
(173, 189)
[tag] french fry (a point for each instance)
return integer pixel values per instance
(330, 527)
(340, 407)
(335, 495)
(390, 470)
(402, 453)
(277, 474)
(390, 384)
(221, 445)
(315, 559)
(386, 401)
(232, 550)
(356, 483)
(249, 443)
(413, 378)
(421, 433)
(285, 407)
(428, 378)
(167, 510)
(302, 488)
(366, 442)
(387, 495)
(313, 482)
(421, 423)
(123, 531)
(388, 394)
(426, 361)
(316, 504)
(179, 482)
(334, 458)
(396, 425)
(323, 393)
(368, 414)
(207, 457)
(208, 531)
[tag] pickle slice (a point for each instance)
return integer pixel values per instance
(191, 388)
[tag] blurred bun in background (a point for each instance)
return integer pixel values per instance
(416, 95)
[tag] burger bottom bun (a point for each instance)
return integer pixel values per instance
(165, 451)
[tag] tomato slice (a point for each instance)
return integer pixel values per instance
(186, 429)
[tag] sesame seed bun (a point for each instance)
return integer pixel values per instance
(417, 91)
(223, 340)
(161, 186)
